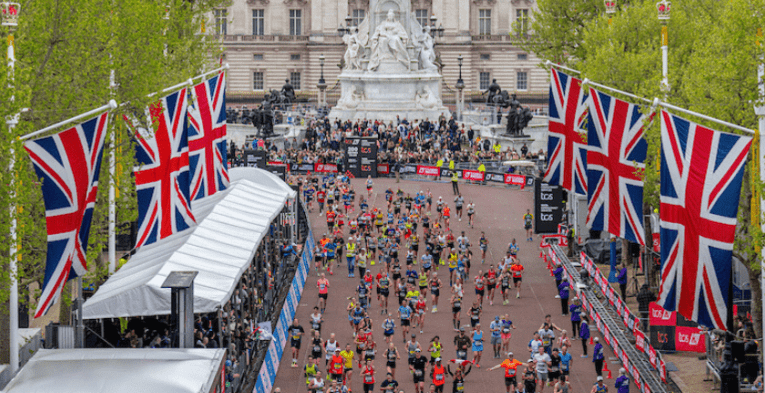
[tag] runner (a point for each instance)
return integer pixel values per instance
(504, 279)
(565, 361)
(447, 216)
(461, 342)
(496, 335)
(389, 385)
(458, 202)
(511, 371)
(383, 286)
(412, 348)
(296, 336)
(323, 285)
(563, 386)
(404, 314)
(530, 378)
(528, 218)
(435, 349)
(317, 382)
(491, 283)
(599, 386)
(507, 324)
(391, 355)
(477, 344)
(475, 313)
(350, 255)
(329, 348)
(438, 374)
(484, 244)
(435, 291)
(331, 215)
(389, 326)
(555, 360)
(458, 383)
(418, 367)
(316, 319)
(456, 302)
(336, 365)
(347, 356)
(480, 286)
(470, 213)
(420, 309)
(369, 186)
(321, 197)
(368, 374)
(517, 269)
(439, 208)
(309, 371)
(542, 362)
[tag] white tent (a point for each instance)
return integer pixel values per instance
(230, 226)
(121, 370)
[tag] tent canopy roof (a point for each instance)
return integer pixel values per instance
(120, 370)
(230, 226)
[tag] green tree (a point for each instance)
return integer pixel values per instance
(713, 60)
(67, 51)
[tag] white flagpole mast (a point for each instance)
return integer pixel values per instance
(112, 191)
(760, 111)
(10, 19)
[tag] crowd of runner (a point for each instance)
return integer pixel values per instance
(406, 256)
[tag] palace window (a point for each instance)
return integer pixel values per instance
(296, 22)
(484, 80)
(484, 22)
(295, 80)
(257, 80)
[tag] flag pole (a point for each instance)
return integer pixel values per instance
(658, 102)
(587, 81)
(551, 64)
(112, 191)
(12, 121)
(760, 112)
(111, 105)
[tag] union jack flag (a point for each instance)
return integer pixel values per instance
(162, 174)
(701, 173)
(207, 138)
(68, 164)
(567, 150)
(616, 153)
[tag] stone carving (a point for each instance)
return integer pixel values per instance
(389, 43)
(351, 100)
(425, 99)
(353, 53)
(427, 54)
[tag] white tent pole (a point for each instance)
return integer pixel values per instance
(551, 64)
(658, 102)
(760, 111)
(13, 301)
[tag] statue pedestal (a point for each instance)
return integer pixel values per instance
(389, 92)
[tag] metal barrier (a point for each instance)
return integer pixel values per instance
(614, 325)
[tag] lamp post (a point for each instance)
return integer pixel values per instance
(343, 30)
(322, 84)
(663, 7)
(610, 9)
(9, 17)
(460, 86)
(436, 31)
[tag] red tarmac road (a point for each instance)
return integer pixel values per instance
(499, 213)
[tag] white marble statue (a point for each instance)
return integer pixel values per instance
(425, 99)
(353, 52)
(389, 43)
(427, 55)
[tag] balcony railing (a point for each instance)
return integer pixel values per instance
(293, 38)
(258, 38)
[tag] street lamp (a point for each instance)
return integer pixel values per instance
(343, 30)
(663, 7)
(460, 86)
(435, 30)
(9, 17)
(322, 83)
(610, 9)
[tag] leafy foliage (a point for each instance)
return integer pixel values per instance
(66, 52)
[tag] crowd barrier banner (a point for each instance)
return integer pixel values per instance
(425, 170)
(473, 175)
(383, 169)
(270, 366)
(325, 168)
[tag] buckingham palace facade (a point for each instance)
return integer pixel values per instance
(269, 41)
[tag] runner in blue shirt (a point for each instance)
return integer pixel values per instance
(496, 339)
(404, 313)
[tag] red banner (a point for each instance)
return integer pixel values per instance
(383, 169)
(689, 339)
(515, 180)
(424, 170)
(325, 168)
(656, 242)
(652, 356)
(661, 317)
(276, 163)
(640, 340)
(473, 175)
